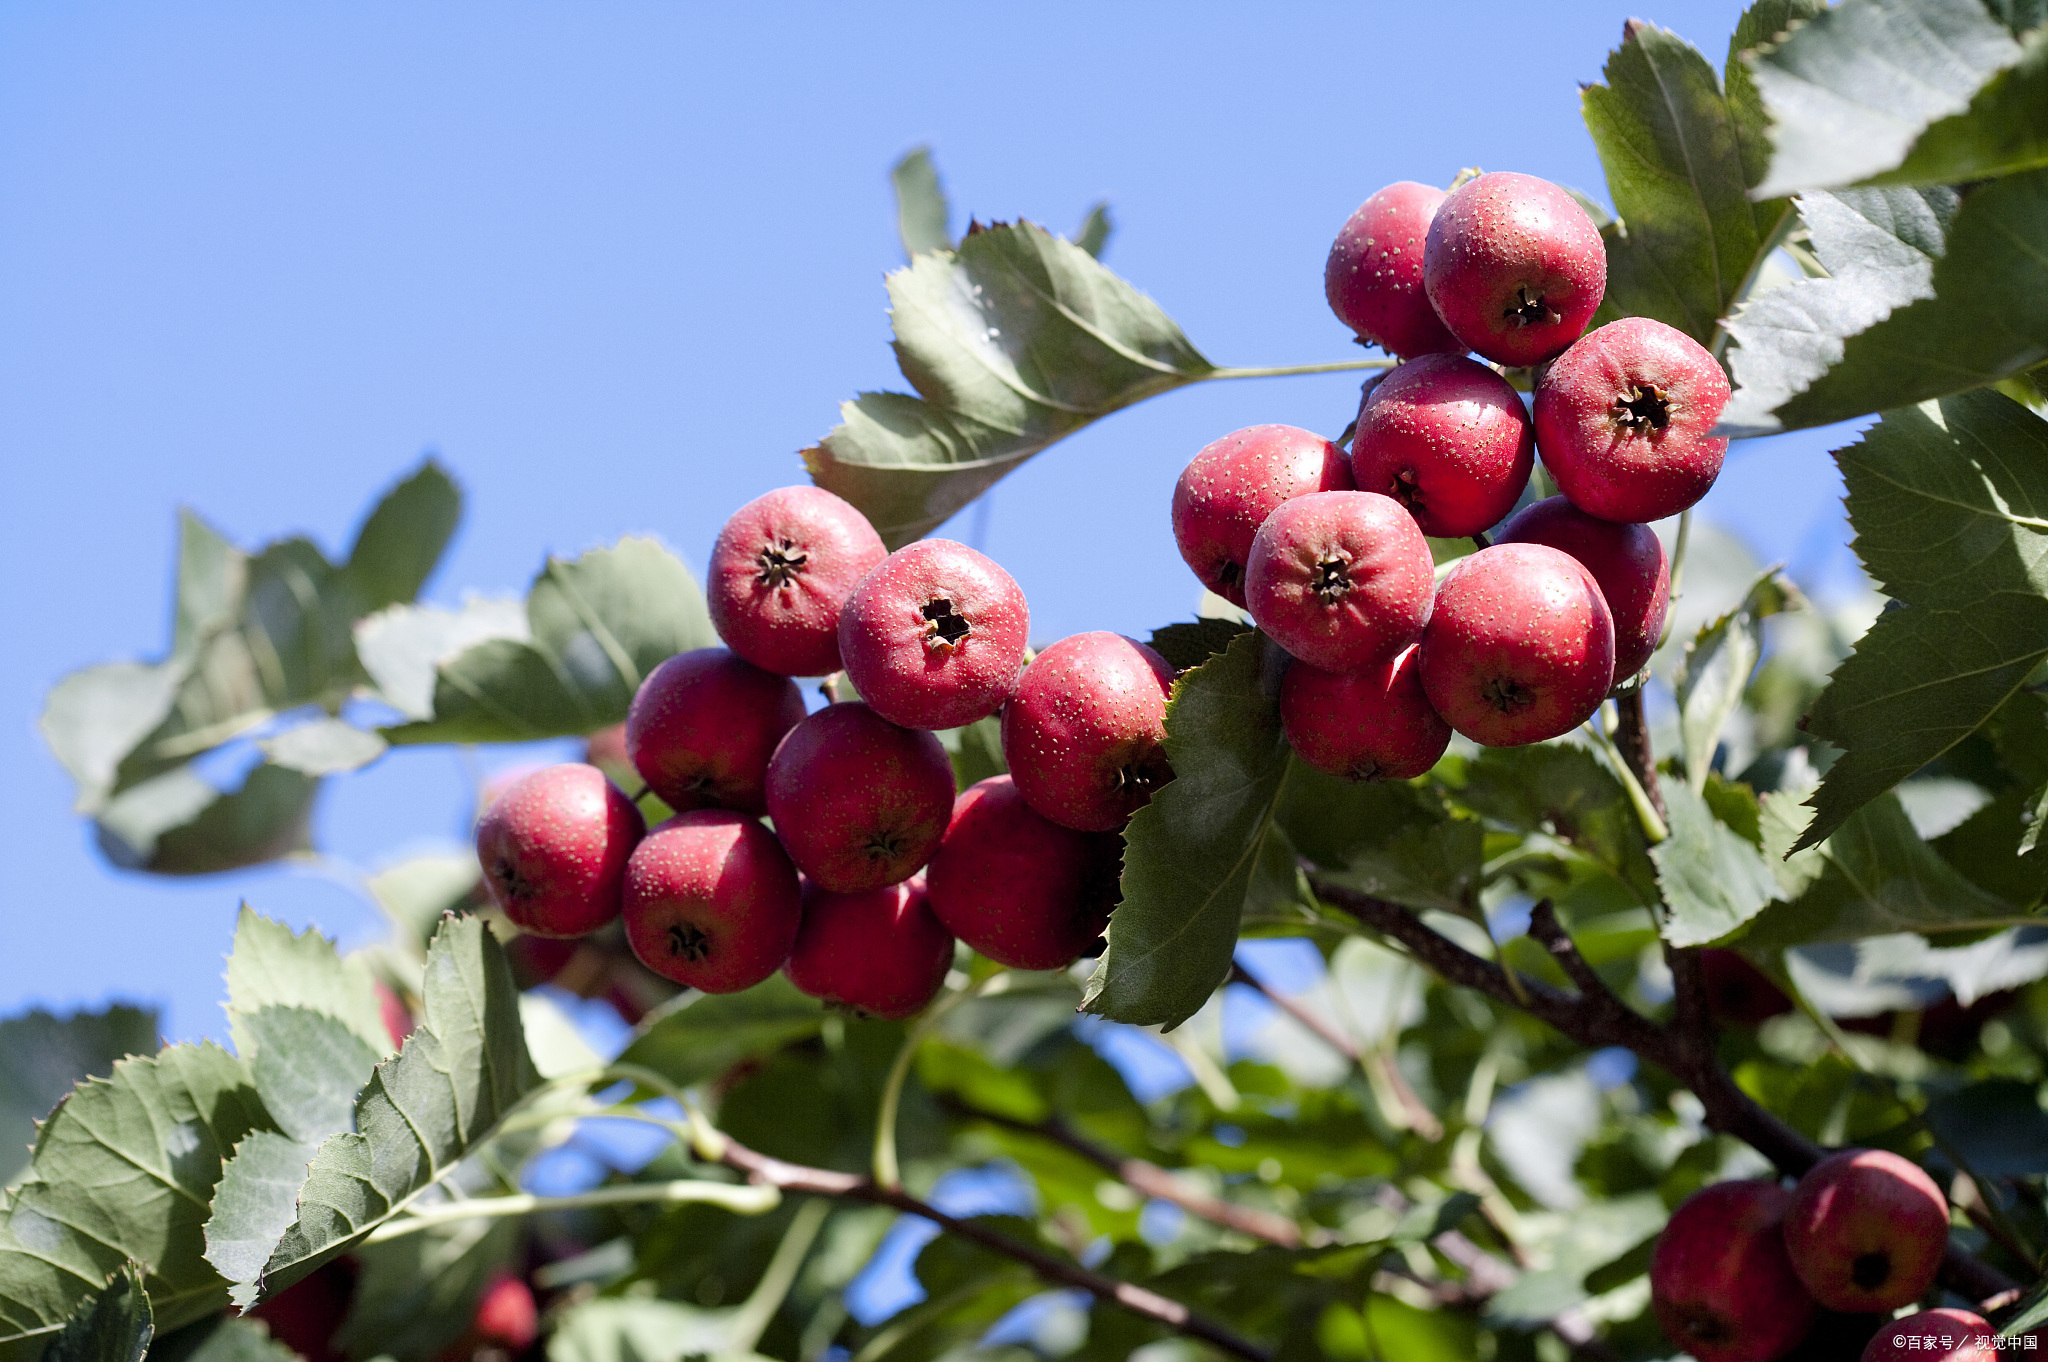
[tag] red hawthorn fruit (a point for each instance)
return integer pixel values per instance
(1738, 993)
(606, 750)
(1943, 1335)
(306, 1315)
(506, 1314)
(1341, 580)
(711, 901)
(934, 635)
(780, 571)
(393, 1012)
(881, 952)
(553, 847)
(1369, 725)
(1626, 560)
(1622, 421)
(1520, 647)
(1514, 267)
(1447, 438)
(1229, 489)
(1373, 277)
(860, 802)
(703, 725)
(1866, 1230)
(1085, 734)
(1720, 1284)
(1018, 887)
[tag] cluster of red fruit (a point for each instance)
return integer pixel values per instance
(1022, 867)
(1743, 1270)
(1522, 640)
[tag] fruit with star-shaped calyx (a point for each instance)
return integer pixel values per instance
(860, 802)
(1018, 887)
(1719, 1280)
(1229, 489)
(1514, 267)
(1866, 1230)
(781, 570)
(553, 846)
(1341, 580)
(1626, 560)
(1085, 734)
(934, 635)
(703, 726)
(1373, 277)
(880, 952)
(1369, 725)
(711, 901)
(1447, 438)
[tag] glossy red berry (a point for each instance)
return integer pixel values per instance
(1085, 734)
(780, 571)
(934, 636)
(1229, 489)
(1447, 438)
(553, 846)
(703, 725)
(860, 802)
(1514, 267)
(1341, 580)
(880, 952)
(1626, 560)
(1940, 1335)
(506, 1314)
(1720, 1283)
(1520, 647)
(1373, 277)
(1866, 1230)
(1369, 725)
(1018, 887)
(1622, 421)
(712, 901)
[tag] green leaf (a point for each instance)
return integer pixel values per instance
(921, 208)
(2004, 131)
(225, 1340)
(598, 623)
(416, 1294)
(323, 747)
(1998, 1127)
(416, 893)
(1950, 506)
(976, 750)
(461, 1072)
(1689, 238)
(95, 717)
(402, 540)
(1987, 318)
(124, 1171)
(701, 1035)
(1095, 229)
(42, 1057)
(1764, 22)
(1713, 879)
(116, 1327)
(1193, 642)
(1189, 854)
(968, 1288)
(1852, 89)
(1394, 840)
(1877, 877)
(1015, 340)
(1590, 1238)
(403, 646)
(1562, 791)
(273, 967)
(179, 823)
(1716, 671)
(639, 1329)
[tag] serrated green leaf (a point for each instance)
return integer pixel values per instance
(323, 747)
(1713, 879)
(42, 1057)
(1689, 238)
(402, 539)
(179, 823)
(1560, 790)
(1987, 317)
(1852, 89)
(599, 624)
(93, 719)
(638, 1329)
(1950, 506)
(124, 1171)
(921, 208)
(2037, 819)
(1763, 23)
(700, 1036)
(1015, 340)
(116, 1327)
(1096, 228)
(225, 1340)
(2004, 131)
(416, 893)
(272, 966)
(461, 1072)
(1716, 671)
(976, 750)
(1190, 854)
(1190, 643)
(402, 646)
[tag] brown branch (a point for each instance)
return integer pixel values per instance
(764, 1170)
(1632, 738)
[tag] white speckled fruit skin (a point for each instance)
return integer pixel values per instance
(1503, 232)
(1227, 491)
(1089, 709)
(1385, 557)
(725, 876)
(791, 628)
(885, 638)
(1373, 277)
(553, 848)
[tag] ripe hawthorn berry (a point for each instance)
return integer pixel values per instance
(1341, 580)
(1514, 267)
(1085, 734)
(934, 635)
(506, 1314)
(553, 847)
(1229, 489)
(1939, 1335)
(1018, 887)
(1720, 1283)
(1373, 277)
(1626, 560)
(860, 802)
(1520, 647)
(703, 725)
(881, 952)
(1622, 421)
(780, 571)
(711, 901)
(1447, 438)
(1369, 725)
(1866, 1230)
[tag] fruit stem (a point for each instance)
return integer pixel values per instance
(1677, 573)
(887, 1174)
(742, 1200)
(757, 1311)
(1654, 828)
(1289, 370)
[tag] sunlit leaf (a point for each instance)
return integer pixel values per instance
(179, 823)
(1713, 879)
(921, 208)
(1716, 671)
(700, 1036)
(42, 1057)
(115, 1327)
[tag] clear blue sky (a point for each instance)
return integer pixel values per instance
(616, 263)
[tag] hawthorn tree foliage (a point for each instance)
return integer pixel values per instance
(1790, 904)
